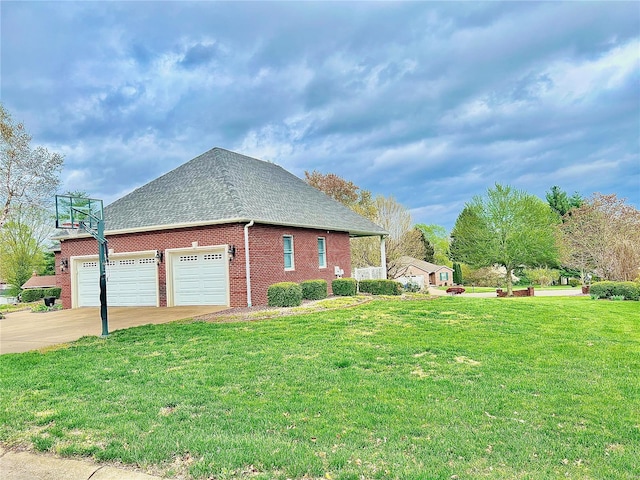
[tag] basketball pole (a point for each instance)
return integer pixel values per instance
(90, 220)
(102, 260)
(103, 255)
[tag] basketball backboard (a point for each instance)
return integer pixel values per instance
(72, 212)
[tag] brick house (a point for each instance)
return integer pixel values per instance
(217, 230)
(434, 275)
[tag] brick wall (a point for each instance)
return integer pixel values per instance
(529, 292)
(266, 250)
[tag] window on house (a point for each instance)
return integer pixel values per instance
(322, 252)
(444, 276)
(288, 252)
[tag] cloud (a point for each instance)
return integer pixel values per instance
(430, 102)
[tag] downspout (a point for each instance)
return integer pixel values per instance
(383, 254)
(246, 261)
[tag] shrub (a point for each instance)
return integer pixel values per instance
(52, 292)
(380, 287)
(601, 289)
(629, 290)
(314, 289)
(542, 276)
(345, 287)
(32, 294)
(617, 297)
(41, 307)
(488, 277)
(595, 297)
(574, 282)
(411, 287)
(284, 294)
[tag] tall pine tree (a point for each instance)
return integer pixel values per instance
(457, 274)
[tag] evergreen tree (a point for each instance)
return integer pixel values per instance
(457, 274)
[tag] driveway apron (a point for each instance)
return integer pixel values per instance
(25, 330)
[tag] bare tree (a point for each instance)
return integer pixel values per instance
(603, 236)
(385, 211)
(404, 239)
(28, 176)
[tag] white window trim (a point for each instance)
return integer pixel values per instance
(293, 263)
(324, 244)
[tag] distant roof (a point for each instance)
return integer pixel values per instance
(421, 264)
(40, 281)
(221, 186)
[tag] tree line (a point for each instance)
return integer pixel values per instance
(509, 228)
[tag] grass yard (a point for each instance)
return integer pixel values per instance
(537, 388)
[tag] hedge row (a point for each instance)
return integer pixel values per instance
(33, 294)
(290, 294)
(629, 290)
(381, 287)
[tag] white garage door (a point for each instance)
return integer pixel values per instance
(199, 278)
(130, 282)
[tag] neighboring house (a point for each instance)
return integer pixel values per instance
(218, 230)
(40, 281)
(434, 275)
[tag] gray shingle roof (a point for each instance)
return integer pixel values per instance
(221, 186)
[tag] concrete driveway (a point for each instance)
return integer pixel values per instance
(24, 331)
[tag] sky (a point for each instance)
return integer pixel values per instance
(429, 102)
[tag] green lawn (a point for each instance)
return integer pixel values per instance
(8, 308)
(535, 388)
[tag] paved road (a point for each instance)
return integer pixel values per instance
(573, 292)
(25, 330)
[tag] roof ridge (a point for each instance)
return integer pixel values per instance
(232, 189)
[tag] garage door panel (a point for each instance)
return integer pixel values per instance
(88, 284)
(200, 279)
(130, 282)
